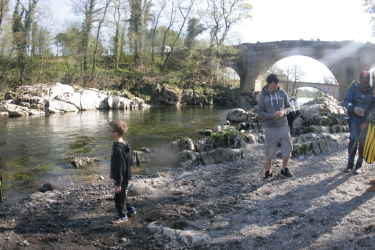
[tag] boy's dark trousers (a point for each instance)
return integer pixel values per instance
(122, 201)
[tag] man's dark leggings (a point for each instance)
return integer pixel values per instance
(353, 145)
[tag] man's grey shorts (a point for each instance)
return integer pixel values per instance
(273, 135)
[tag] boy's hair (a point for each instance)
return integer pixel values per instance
(119, 127)
(272, 78)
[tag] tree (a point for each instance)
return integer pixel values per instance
(68, 42)
(184, 12)
(155, 23)
(3, 10)
(369, 7)
(194, 29)
(21, 27)
(221, 15)
(97, 37)
(119, 31)
(140, 15)
(293, 72)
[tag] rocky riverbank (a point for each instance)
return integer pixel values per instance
(220, 206)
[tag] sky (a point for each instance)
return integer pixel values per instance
(277, 20)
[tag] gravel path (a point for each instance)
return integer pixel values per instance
(222, 206)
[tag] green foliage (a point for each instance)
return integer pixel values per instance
(225, 138)
(308, 130)
(303, 148)
(326, 121)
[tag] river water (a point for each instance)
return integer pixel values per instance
(38, 149)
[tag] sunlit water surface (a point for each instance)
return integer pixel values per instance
(38, 149)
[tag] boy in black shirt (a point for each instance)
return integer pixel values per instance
(120, 170)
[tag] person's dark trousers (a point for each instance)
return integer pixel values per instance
(290, 124)
(352, 149)
(361, 146)
(122, 201)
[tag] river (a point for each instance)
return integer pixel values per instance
(38, 149)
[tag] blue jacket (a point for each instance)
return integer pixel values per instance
(357, 97)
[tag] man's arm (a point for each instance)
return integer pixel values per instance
(349, 99)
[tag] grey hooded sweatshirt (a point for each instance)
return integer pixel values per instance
(269, 103)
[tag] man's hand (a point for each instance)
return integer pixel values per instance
(117, 189)
(279, 114)
(363, 125)
(359, 111)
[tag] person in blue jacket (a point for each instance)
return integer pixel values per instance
(357, 100)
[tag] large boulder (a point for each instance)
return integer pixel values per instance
(192, 97)
(221, 155)
(182, 144)
(65, 93)
(16, 110)
(170, 95)
(237, 115)
(56, 106)
(91, 99)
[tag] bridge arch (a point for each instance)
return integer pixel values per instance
(345, 59)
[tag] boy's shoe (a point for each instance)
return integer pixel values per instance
(268, 175)
(120, 219)
(371, 188)
(286, 173)
(131, 211)
(349, 167)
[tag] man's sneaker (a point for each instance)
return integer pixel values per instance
(120, 219)
(131, 211)
(349, 167)
(286, 173)
(268, 175)
(357, 169)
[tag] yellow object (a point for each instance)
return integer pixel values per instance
(369, 147)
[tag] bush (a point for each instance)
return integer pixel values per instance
(308, 130)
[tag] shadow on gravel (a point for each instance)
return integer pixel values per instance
(297, 208)
(321, 221)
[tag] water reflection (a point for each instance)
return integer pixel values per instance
(38, 149)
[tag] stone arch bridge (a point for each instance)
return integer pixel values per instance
(330, 89)
(345, 59)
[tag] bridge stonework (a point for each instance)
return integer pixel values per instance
(345, 59)
(330, 89)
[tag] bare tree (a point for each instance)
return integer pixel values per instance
(297, 75)
(184, 12)
(155, 23)
(97, 36)
(171, 21)
(221, 15)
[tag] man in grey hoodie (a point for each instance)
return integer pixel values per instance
(273, 108)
